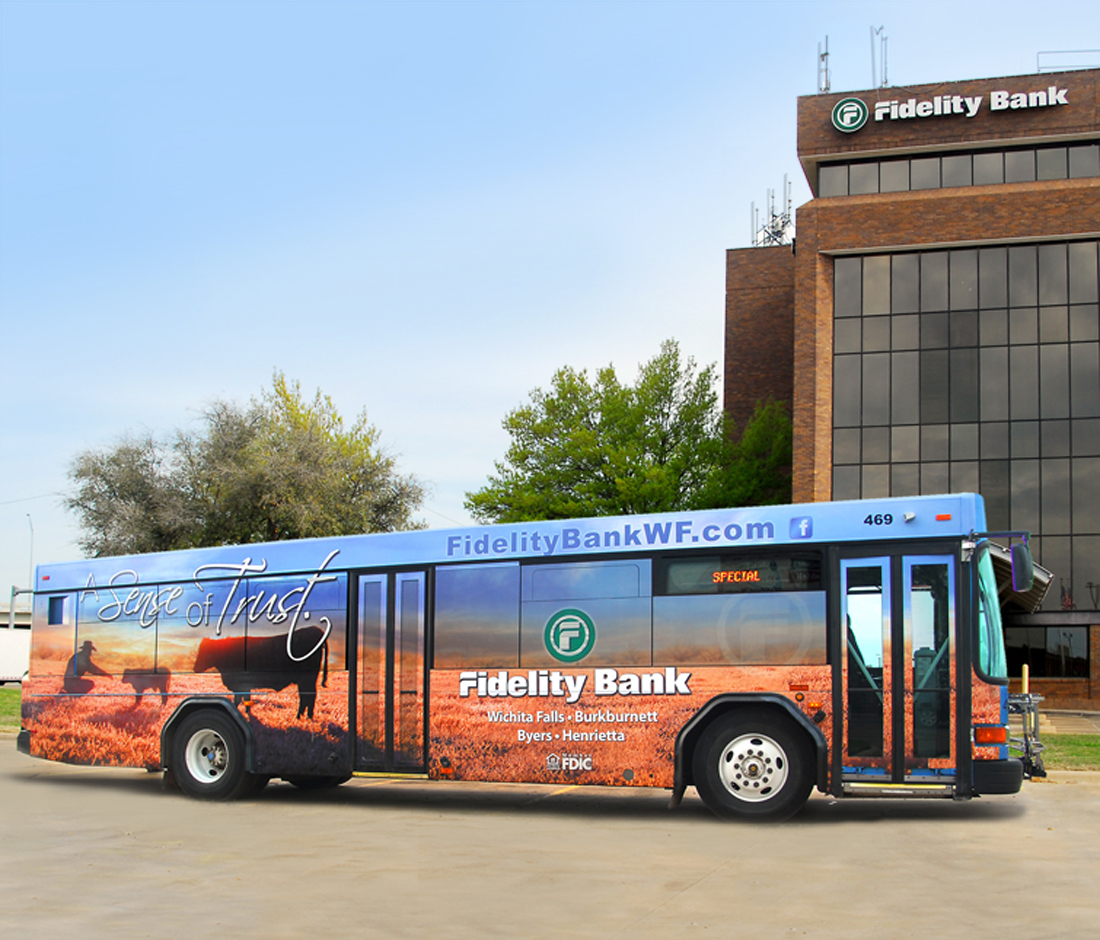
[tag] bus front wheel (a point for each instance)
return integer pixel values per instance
(208, 758)
(753, 764)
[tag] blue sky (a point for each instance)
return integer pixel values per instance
(423, 209)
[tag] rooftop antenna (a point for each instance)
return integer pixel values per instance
(881, 34)
(778, 227)
(823, 79)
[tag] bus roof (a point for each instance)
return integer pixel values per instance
(907, 517)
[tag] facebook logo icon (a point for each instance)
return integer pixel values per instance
(802, 527)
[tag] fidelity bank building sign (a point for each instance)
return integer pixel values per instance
(850, 114)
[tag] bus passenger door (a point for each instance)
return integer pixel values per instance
(866, 668)
(390, 699)
(928, 583)
(896, 672)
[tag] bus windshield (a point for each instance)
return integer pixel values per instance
(991, 642)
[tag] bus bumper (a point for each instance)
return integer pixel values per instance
(23, 742)
(998, 776)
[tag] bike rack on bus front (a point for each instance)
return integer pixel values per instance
(1026, 705)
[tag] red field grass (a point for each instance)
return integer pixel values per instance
(476, 748)
(112, 726)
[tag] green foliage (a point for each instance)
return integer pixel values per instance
(10, 708)
(756, 468)
(595, 448)
(281, 467)
(128, 500)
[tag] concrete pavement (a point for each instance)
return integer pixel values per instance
(1054, 722)
(94, 853)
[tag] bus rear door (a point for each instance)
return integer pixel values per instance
(390, 674)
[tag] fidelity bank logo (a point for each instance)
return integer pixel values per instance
(570, 635)
(849, 115)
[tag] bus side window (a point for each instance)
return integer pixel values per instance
(121, 626)
(201, 610)
(615, 596)
(477, 616)
(781, 629)
(266, 609)
(56, 614)
(740, 609)
(54, 636)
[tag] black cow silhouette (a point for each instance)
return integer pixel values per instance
(263, 663)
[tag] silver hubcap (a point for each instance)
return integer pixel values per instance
(207, 757)
(753, 767)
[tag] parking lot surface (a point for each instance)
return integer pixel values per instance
(94, 852)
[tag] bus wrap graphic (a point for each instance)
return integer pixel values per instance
(693, 607)
(570, 635)
(849, 115)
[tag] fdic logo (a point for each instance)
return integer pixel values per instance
(570, 635)
(569, 762)
(849, 115)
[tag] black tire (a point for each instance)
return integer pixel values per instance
(208, 757)
(316, 783)
(259, 781)
(753, 764)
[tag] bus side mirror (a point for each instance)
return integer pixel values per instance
(1023, 568)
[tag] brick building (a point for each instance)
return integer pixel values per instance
(936, 327)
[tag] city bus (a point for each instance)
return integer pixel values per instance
(755, 654)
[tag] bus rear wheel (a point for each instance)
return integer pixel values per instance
(208, 758)
(753, 764)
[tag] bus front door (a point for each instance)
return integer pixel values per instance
(897, 673)
(390, 697)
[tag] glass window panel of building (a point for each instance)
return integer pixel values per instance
(944, 171)
(978, 368)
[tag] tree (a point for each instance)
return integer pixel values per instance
(594, 448)
(278, 468)
(756, 467)
(128, 501)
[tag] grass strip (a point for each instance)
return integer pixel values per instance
(1071, 751)
(9, 708)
